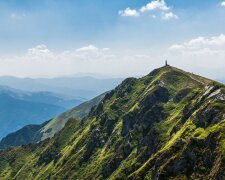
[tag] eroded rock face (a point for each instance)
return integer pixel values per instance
(148, 145)
(125, 87)
(108, 168)
(197, 158)
(139, 121)
(148, 113)
(159, 94)
(210, 91)
(181, 94)
(191, 108)
(94, 141)
(121, 151)
(128, 122)
(207, 116)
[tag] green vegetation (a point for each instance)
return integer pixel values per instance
(35, 133)
(169, 124)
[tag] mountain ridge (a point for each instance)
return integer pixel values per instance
(169, 124)
(34, 133)
(19, 108)
(77, 87)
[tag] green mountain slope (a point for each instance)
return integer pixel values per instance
(78, 113)
(169, 124)
(19, 108)
(35, 133)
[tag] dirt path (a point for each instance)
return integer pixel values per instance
(195, 79)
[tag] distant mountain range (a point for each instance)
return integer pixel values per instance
(19, 108)
(221, 80)
(81, 87)
(25, 101)
(35, 133)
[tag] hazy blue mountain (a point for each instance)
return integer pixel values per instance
(221, 80)
(19, 108)
(84, 87)
(22, 136)
(78, 113)
(42, 97)
(35, 133)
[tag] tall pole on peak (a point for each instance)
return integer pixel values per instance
(166, 64)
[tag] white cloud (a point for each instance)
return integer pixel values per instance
(215, 43)
(39, 49)
(39, 52)
(169, 15)
(154, 16)
(88, 48)
(223, 4)
(128, 12)
(176, 47)
(40, 61)
(155, 6)
(13, 15)
(91, 48)
(203, 55)
(17, 16)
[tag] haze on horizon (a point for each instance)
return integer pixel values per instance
(50, 38)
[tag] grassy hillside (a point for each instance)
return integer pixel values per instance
(78, 113)
(169, 124)
(19, 108)
(16, 113)
(35, 133)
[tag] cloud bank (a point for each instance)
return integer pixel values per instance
(215, 44)
(201, 55)
(205, 55)
(40, 61)
(223, 4)
(129, 12)
(154, 7)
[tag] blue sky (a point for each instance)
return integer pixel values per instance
(62, 26)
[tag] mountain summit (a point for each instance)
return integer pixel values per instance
(169, 124)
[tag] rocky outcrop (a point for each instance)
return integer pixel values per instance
(196, 160)
(167, 125)
(148, 113)
(208, 116)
